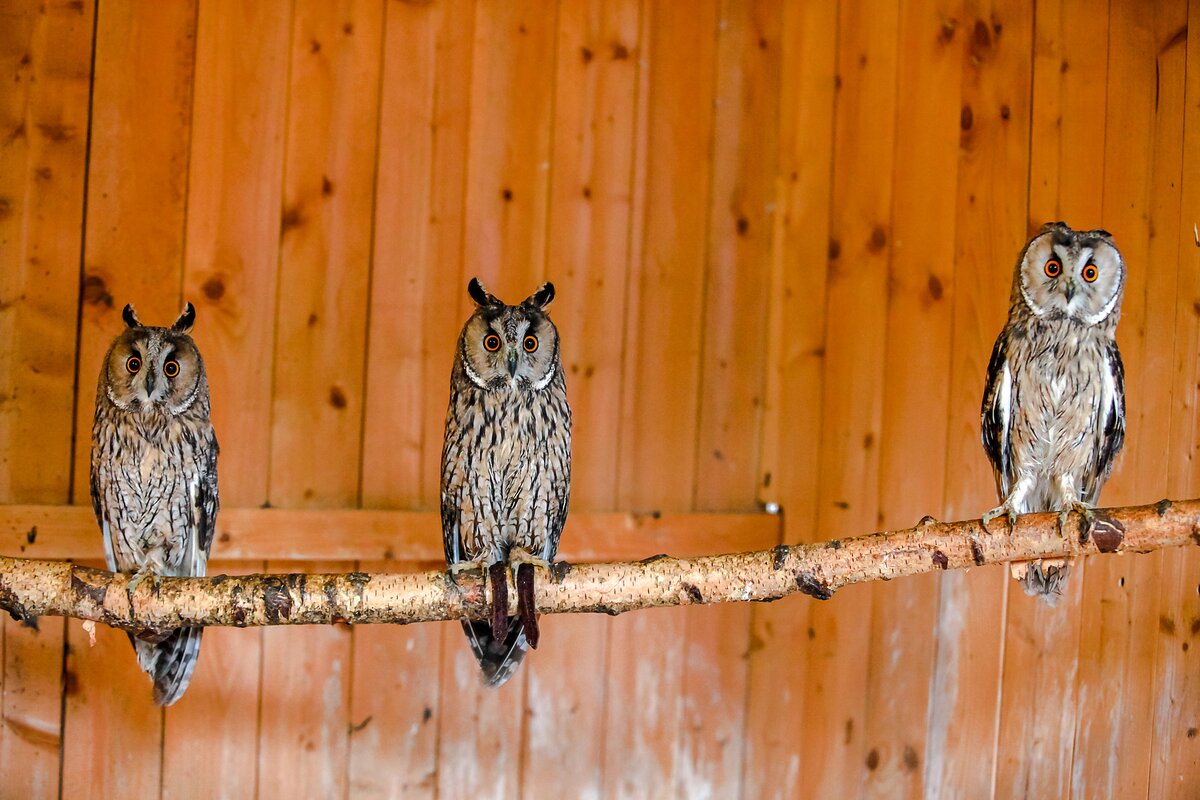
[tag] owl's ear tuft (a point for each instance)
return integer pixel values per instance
(130, 316)
(186, 320)
(543, 297)
(481, 295)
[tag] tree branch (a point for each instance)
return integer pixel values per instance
(55, 588)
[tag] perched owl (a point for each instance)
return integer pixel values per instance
(1053, 417)
(506, 464)
(154, 474)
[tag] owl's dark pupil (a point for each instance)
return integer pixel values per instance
(133, 364)
(531, 344)
(492, 343)
(1053, 268)
(171, 369)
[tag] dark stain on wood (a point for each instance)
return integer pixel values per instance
(1162, 507)
(337, 397)
(214, 288)
(559, 570)
(1107, 532)
(1166, 625)
(976, 552)
(95, 291)
(31, 537)
(779, 555)
(910, 758)
(693, 593)
(277, 601)
(813, 587)
(939, 560)
(873, 759)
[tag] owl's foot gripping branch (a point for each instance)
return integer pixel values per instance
(31, 588)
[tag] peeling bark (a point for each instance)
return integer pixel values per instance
(29, 589)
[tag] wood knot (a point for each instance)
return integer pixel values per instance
(779, 555)
(1107, 533)
(813, 587)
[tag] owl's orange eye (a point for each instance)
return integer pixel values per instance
(171, 369)
(1090, 273)
(1053, 268)
(491, 343)
(133, 365)
(531, 343)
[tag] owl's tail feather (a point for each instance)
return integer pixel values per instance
(498, 658)
(1045, 579)
(170, 663)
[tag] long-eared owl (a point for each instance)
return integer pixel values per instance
(1053, 417)
(506, 465)
(154, 474)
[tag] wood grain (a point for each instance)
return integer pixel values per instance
(793, 387)
(45, 58)
(919, 310)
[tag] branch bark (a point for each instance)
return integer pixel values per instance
(55, 588)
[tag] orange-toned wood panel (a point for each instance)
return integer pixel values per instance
(657, 440)
(993, 153)
(133, 253)
(852, 405)
(1142, 171)
(1175, 750)
(588, 248)
(304, 708)
(916, 380)
(792, 410)
(210, 736)
(45, 61)
(324, 260)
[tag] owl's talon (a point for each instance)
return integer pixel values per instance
(459, 567)
(1087, 512)
(998, 511)
(519, 555)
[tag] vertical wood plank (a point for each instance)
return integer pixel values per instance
(304, 708)
(847, 499)
(413, 283)
(733, 372)
(1038, 700)
(917, 381)
(512, 103)
(394, 710)
(134, 243)
(662, 374)
(479, 736)
(137, 186)
(324, 267)
(1142, 172)
(320, 360)
(991, 208)
(45, 60)
(588, 249)
(792, 409)
(210, 737)
(1175, 750)
(393, 733)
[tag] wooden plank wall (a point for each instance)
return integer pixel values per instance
(782, 235)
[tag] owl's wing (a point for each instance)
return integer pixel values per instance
(207, 500)
(1111, 421)
(996, 415)
(98, 508)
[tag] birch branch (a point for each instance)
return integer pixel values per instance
(55, 588)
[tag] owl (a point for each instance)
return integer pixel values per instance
(1053, 417)
(506, 465)
(154, 475)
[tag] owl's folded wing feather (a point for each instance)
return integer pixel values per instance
(1111, 422)
(996, 416)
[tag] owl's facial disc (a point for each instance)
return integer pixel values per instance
(1069, 274)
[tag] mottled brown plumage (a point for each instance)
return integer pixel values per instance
(154, 474)
(506, 463)
(1053, 416)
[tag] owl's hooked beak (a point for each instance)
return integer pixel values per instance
(1069, 289)
(512, 362)
(150, 386)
